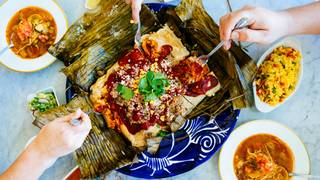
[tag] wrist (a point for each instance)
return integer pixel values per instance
(288, 23)
(44, 159)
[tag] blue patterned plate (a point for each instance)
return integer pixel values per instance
(196, 142)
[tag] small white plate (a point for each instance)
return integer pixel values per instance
(287, 42)
(9, 58)
(301, 162)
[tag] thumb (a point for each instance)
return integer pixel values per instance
(85, 125)
(249, 35)
(75, 115)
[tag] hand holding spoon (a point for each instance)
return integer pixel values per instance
(244, 22)
(78, 121)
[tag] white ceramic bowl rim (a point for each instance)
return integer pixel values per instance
(9, 58)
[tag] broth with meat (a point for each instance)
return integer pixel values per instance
(263, 156)
(32, 31)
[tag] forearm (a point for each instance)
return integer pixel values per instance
(56, 139)
(304, 19)
(30, 165)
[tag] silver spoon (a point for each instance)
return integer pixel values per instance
(292, 174)
(11, 45)
(137, 37)
(304, 175)
(244, 22)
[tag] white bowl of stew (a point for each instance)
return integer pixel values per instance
(267, 137)
(32, 26)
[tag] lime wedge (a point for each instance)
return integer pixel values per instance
(92, 4)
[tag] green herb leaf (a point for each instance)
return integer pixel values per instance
(125, 92)
(158, 86)
(153, 85)
(162, 133)
(150, 76)
(165, 82)
(159, 75)
(144, 87)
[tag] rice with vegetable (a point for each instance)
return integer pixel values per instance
(278, 75)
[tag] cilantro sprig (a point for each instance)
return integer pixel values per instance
(125, 92)
(152, 85)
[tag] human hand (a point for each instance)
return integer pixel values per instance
(136, 8)
(56, 139)
(59, 137)
(265, 26)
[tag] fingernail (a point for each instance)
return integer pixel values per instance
(235, 35)
(228, 45)
(225, 47)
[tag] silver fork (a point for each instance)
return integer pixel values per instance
(244, 22)
(137, 37)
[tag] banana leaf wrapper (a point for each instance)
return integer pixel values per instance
(98, 39)
(103, 150)
(43, 118)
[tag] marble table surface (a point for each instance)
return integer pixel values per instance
(301, 112)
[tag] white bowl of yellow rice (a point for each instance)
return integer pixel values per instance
(279, 74)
